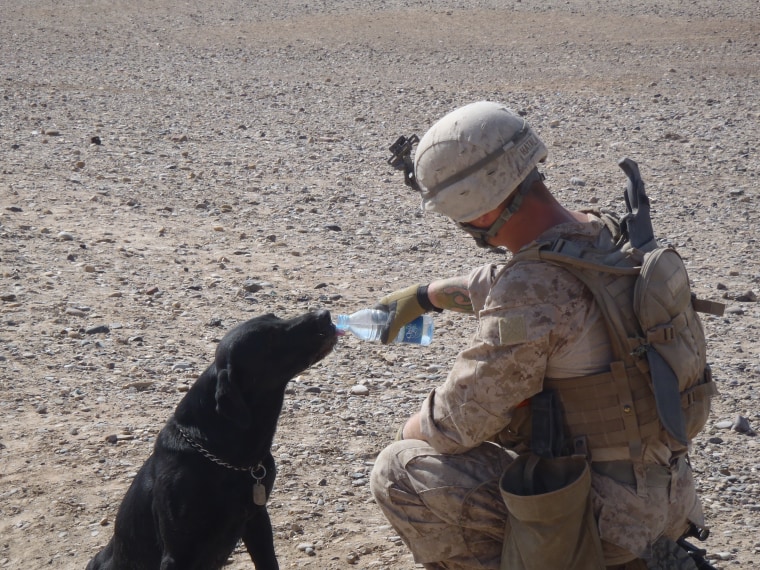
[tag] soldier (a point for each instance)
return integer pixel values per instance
(538, 325)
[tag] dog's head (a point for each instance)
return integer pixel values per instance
(261, 355)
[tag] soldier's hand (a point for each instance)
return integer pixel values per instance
(403, 306)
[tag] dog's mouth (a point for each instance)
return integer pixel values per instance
(325, 336)
(330, 339)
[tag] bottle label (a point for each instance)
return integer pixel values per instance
(413, 332)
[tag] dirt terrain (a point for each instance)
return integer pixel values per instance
(169, 168)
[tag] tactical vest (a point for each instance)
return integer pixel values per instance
(659, 385)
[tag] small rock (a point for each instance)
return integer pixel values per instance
(140, 385)
(747, 297)
(42, 409)
(575, 181)
(66, 236)
(741, 424)
(725, 424)
(252, 286)
(97, 329)
(359, 390)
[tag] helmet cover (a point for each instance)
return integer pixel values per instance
(474, 158)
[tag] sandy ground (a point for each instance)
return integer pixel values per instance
(170, 168)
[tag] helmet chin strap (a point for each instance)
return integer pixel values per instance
(481, 235)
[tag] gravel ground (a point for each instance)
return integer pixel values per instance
(170, 168)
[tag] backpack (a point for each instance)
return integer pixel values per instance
(660, 377)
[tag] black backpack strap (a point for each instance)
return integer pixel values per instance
(547, 437)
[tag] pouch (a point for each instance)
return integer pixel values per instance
(551, 523)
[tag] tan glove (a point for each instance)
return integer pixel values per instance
(403, 306)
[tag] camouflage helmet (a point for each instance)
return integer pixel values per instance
(474, 158)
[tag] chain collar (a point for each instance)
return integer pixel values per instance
(258, 471)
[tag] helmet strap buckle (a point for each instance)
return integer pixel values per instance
(481, 235)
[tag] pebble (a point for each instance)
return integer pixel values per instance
(139, 385)
(747, 297)
(575, 181)
(359, 390)
(741, 424)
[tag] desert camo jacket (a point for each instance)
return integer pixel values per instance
(535, 321)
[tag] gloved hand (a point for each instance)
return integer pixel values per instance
(403, 307)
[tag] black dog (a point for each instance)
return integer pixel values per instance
(206, 484)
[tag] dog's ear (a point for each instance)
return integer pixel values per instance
(229, 400)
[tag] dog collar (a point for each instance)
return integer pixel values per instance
(257, 471)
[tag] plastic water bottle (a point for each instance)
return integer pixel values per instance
(368, 324)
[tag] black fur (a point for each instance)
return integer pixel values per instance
(184, 510)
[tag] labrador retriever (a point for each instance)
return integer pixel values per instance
(206, 484)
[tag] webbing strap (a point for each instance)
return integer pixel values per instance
(709, 307)
(667, 332)
(631, 424)
(699, 392)
(560, 251)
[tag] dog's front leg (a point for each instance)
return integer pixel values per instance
(259, 540)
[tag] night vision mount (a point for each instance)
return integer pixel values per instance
(402, 159)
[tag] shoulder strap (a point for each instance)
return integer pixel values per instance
(587, 264)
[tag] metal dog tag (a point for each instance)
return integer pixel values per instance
(259, 494)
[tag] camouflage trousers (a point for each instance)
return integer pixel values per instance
(449, 511)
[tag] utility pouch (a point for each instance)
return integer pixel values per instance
(551, 523)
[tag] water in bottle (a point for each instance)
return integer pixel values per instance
(368, 324)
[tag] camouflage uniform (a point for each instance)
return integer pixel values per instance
(536, 321)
